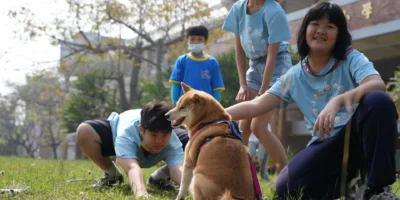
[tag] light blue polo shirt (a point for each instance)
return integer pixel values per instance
(312, 93)
(127, 141)
(267, 26)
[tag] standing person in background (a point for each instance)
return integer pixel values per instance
(261, 29)
(196, 69)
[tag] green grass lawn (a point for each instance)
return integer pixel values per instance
(47, 179)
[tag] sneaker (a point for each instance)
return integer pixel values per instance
(356, 187)
(387, 194)
(106, 181)
(161, 184)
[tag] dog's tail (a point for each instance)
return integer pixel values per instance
(227, 195)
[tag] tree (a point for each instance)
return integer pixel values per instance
(227, 64)
(156, 91)
(92, 98)
(18, 130)
(294, 55)
(43, 96)
(393, 88)
(153, 24)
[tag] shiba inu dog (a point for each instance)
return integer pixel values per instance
(217, 162)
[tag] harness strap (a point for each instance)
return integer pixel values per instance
(256, 184)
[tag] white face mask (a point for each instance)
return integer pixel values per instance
(196, 48)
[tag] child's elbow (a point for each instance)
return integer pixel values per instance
(380, 85)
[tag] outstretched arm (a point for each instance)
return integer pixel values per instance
(135, 176)
(255, 107)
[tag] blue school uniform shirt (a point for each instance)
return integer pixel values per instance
(199, 73)
(312, 93)
(267, 26)
(127, 141)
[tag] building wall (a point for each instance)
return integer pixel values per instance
(382, 11)
(295, 5)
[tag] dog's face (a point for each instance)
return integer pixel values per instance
(192, 108)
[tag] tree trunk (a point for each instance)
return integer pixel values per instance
(54, 147)
(134, 83)
(53, 139)
(159, 56)
(30, 153)
(122, 93)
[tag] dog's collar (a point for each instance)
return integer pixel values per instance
(206, 124)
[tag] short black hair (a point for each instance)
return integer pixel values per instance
(335, 16)
(197, 31)
(152, 117)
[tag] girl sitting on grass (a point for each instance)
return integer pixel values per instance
(335, 86)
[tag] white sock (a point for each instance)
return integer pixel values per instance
(159, 174)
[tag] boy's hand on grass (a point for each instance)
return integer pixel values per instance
(142, 195)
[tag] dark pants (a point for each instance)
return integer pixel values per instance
(315, 172)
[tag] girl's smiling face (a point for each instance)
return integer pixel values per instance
(324, 32)
(321, 35)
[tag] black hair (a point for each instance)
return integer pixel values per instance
(152, 117)
(336, 17)
(197, 31)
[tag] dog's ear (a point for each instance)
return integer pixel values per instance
(197, 99)
(185, 87)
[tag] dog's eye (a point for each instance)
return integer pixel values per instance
(182, 108)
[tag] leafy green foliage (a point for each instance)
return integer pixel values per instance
(91, 98)
(156, 90)
(294, 55)
(31, 114)
(82, 30)
(393, 88)
(227, 64)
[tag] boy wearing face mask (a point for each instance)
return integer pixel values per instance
(198, 70)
